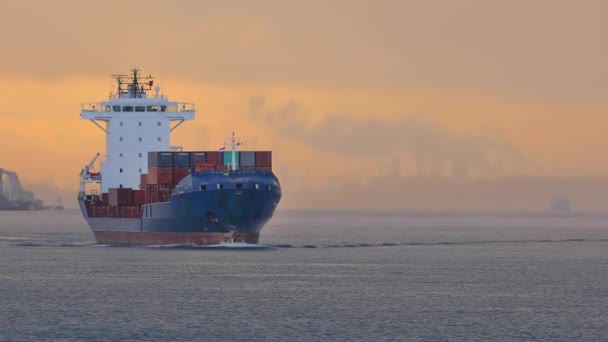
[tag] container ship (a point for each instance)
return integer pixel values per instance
(147, 192)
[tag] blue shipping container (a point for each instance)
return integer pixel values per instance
(197, 158)
(181, 159)
(160, 159)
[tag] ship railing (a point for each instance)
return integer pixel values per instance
(90, 107)
(170, 107)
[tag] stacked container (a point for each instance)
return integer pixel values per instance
(120, 196)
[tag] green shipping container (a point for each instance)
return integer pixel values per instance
(228, 158)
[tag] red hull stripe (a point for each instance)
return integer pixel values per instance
(148, 238)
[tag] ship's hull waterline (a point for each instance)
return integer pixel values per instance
(148, 238)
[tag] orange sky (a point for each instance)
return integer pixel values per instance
(465, 89)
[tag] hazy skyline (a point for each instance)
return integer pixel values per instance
(341, 91)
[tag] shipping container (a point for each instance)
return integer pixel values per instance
(143, 180)
(152, 175)
(158, 175)
(181, 159)
(247, 158)
(105, 198)
(179, 174)
(120, 196)
(214, 158)
(263, 158)
(139, 197)
(160, 159)
(197, 158)
(228, 158)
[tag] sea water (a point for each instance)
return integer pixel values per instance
(330, 276)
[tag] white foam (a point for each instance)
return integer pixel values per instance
(13, 238)
(237, 245)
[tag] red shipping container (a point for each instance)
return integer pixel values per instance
(120, 196)
(165, 175)
(263, 158)
(139, 197)
(143, 180)
(215, 158)
(179, 174)
(152, 175)
(159, 175)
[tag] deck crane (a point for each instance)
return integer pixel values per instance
(87, 176)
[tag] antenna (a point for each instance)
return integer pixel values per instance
(162, 84)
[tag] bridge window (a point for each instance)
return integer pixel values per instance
(140, 108)
(140, 170)
(127, 108)
(140, 124)
(203, 187)
(120, 139)
(139, 139)
(107, 109)
(121, 123)
(154, 108)
(139, 154)
(158, 123)
(121, 172)
(163, 108)
(158, 139)
(116, 108)
(120, 155)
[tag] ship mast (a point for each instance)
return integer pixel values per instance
(233, 145)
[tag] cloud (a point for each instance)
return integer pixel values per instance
(435, 149)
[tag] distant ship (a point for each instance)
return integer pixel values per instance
(561, 204)
(12, 195)
(148, 192)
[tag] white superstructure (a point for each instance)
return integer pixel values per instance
(134, 124)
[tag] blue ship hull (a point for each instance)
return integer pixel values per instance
(205, 208)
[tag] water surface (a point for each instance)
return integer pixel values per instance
(315, 276)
